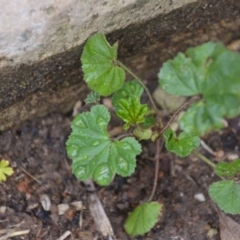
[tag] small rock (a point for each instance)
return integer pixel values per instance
(167, 101)
(62, 208)
(46, 202)
(3, 209)
(200, 197)
(78, 205)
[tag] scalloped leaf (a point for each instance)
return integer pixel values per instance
(101, 72)
(143, 218)
(181, 145)
(5, 170)
(212, 71)
(131, 111)
(92, 97)
(226, 194)
(128, 89)
(95, 156)
(231, 169)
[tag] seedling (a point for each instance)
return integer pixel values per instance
(208, 74)
(5, 170)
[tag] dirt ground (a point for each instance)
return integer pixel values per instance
(36, 151)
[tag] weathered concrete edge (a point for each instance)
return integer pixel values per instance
(133, 52)
(46, 28)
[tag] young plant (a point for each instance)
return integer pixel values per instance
(208, 73)
(5, 170)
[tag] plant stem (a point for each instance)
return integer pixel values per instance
(176, 113)
(158, 149)
(140, 81)
(203, 158)
(124, 135)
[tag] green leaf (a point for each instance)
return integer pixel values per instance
(181, 145)
(129, 89)
(143, 218)
(5, 170)
(209, 70)
(142, 133)
(224, 169)
(226, 194)
(148, 122)
(95, 156)
(92, 97)
(101, 72)
(131, 111)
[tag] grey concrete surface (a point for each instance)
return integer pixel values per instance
(32, 30)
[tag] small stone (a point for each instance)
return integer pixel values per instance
(200, 197)
(78, 205)
(46, 202)
(3, 209)
(62, 208)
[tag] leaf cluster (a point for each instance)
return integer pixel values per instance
(212, 72)
(209, 71)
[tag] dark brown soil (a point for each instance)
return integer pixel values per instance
(38, 148)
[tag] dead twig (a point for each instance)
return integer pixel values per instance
(14, 234)
(30, 175)
(207, 148)
(97, 211)
(65, 235)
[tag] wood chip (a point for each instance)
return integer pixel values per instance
(78, 205)
(62, 208)
(97, 211)
(65, 235)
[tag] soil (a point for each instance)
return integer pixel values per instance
(36, 152)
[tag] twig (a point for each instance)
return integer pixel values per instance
(158, 149)
(207, 148)
(124, 135)
(203, 158)
(176, 113)
(14, 234)
(140, 81)
(97, 211)
(30, 175)
(65, 235)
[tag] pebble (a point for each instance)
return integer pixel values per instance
(78, 205)
(3, 209)
(62, 208)
(46, 202)
(200, 197)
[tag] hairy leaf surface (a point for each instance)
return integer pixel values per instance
(131, 111)
(95, 156)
